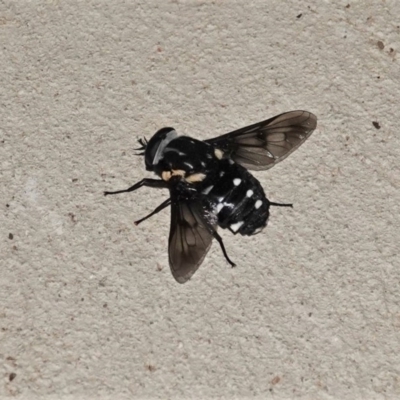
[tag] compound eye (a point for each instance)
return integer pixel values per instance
(156, 146)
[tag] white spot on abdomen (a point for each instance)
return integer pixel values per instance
(220, 206)
(237, 181)
(235, 227)
(258, 230)
(207, 189)
(258, 204)
(249, 193)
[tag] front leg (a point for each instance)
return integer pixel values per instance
(155, 183)
(161, 207)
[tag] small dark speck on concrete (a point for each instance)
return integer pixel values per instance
(72, 216)
(380, 44)
(10, 236)
(12, 376)
(75, 180)
(275, 380)
(299, 16)
(348, 6)
(376, 124)
(7, 205)
(150, 367)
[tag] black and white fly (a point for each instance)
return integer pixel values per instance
(210, 186)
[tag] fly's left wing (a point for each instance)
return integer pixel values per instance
(190, 237)
(264, 144)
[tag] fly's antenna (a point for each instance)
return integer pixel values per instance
(143, 144)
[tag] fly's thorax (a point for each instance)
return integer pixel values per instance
(190, 158)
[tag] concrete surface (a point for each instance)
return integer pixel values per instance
(89, 308)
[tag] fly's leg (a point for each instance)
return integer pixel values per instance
(164, 204)
(155, 183)
(280, 204)
(221, 243)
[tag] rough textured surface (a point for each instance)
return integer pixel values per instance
(88, 307)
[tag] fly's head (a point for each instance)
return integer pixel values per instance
(153, 150)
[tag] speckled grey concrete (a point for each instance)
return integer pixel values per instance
(88, 306)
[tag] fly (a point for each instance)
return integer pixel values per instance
(210, 185)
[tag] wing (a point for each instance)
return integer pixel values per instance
(262, 145)
(189, 239)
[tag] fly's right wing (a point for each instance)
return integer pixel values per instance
(264, 144)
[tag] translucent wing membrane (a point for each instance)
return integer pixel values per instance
(264, 144)
(189, 240)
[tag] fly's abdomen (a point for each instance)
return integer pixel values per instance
(238, 200)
